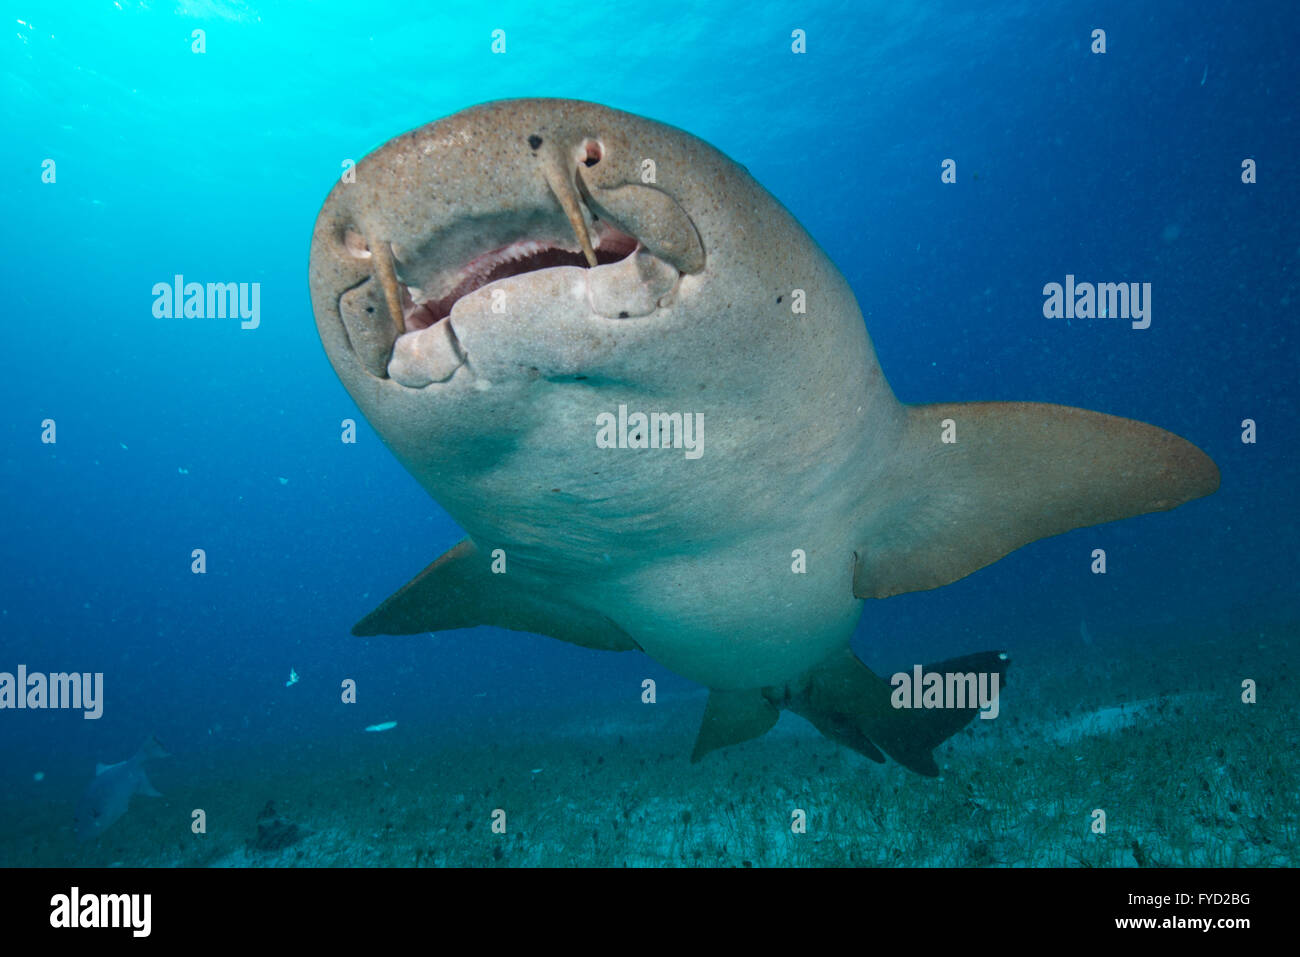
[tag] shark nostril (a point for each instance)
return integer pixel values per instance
(356, 244)
(592, 153)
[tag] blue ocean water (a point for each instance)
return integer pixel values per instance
(179, 434)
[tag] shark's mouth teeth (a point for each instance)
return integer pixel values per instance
(515, 259)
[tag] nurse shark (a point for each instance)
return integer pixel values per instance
(532, 301)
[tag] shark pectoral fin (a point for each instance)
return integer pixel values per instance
(459, 590)
(731, 717)
(445, 595)
(850, 704)
(977, 480)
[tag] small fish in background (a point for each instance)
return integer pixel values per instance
(293, 679)
(382, 726)
(109, 794)
(1084, 633)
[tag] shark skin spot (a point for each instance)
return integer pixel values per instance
(520, 287)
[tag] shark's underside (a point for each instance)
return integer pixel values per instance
(494, 284)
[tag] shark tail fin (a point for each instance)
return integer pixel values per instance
(850, 704)
(459, 590)
(984, 478)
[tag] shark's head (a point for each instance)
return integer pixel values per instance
(520, 265)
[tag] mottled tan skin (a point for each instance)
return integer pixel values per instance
(806, 447)
(664, 545)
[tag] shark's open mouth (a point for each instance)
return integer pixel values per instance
(417, 346)
(631, 242)
(522, 256)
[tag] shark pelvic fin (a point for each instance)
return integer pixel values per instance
(850, 704)
(981, 479)
(459, 590)
(731, 717)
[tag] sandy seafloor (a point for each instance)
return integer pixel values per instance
(1148, 726)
